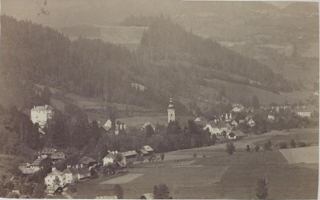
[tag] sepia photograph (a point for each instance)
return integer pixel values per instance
(159, 99)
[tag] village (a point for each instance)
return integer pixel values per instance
(62, 179)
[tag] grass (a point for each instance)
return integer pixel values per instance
(237, 91)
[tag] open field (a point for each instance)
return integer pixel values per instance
(219, 175)
(238, 91)
(302, 154)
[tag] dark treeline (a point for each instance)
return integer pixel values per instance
(165, 40)
(35, 54)
(73, 133)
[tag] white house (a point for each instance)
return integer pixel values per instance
(271, 117)
(217, 127)
(71, 175)
(56, 177)
(41, 115)
(237, 107)
(304, 111)
(234, 123)
(251, 123)
(144, 126)
(108, 125)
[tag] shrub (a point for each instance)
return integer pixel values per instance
(262, 190)
(283, 145)
(302, 144)
(161, 192)
(266, 146)
(195, 154)
(293, 144)
(162, 156)
(248, 148)
(230, 148)
(257, 148)
(118, 191)
(204, 156)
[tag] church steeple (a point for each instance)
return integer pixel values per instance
(171, 111)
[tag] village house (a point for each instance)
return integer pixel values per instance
(55, 178)
(26, 168)
(144, 126)
(41, 115)
(271, 117)
(228, 118)
(83, 172)
(71, 175)
(216, 127)
(107, 125)
(57, 156)
(251, 123)
(200, 119)
(113, 157)
(304, 111)
(47, 152)
(234, 123)
(237, 107)
(87, 162)
(129, 156)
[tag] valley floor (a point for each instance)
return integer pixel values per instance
(214, 174)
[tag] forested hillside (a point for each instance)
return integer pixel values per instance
(165, 40)
(170, 62)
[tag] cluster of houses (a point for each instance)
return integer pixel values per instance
(81, 171)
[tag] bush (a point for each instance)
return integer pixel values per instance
(118, 191)
(195, 154)
(204, 156)
(262, 190)
(302, 144)
(283, 145)
(230, 148)
(266, 146)
(161, 192)
(257, 148)
(162, 156)
(293, 144)
(248, 148)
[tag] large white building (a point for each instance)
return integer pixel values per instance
(171, 112)
(41, 115)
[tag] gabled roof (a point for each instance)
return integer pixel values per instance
(129, 153)
(42, 108)
(144, 151)
(201, 123)
(147, 148)
(83, 170)
(48, 151)
(110, 155)
(55, 173)
(58, 155)
(87, 160)
(36, 162)
(70, 170)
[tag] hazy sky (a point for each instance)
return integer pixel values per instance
(68, 12)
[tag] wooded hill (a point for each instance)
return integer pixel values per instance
(170, 62)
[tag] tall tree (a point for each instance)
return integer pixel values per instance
(255, 102)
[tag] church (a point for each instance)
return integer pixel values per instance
(171, 112)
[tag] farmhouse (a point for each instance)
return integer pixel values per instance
(144, 126)
(107, 125)
(110, 158)
(304, 111)
(217, 127)
(58, 156)
(87, 162)
(26, 168)
(47, 152)
(129, 156)
(234, 123)
(251, 123)
(271, 117)
(71, 175)
(237, 107)
(41, 115)
(54, 178)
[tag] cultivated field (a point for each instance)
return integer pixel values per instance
(302, 154)
(214, 174)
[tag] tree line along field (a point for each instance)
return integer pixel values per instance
(215, 174)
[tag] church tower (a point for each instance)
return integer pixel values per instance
(171, 112)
